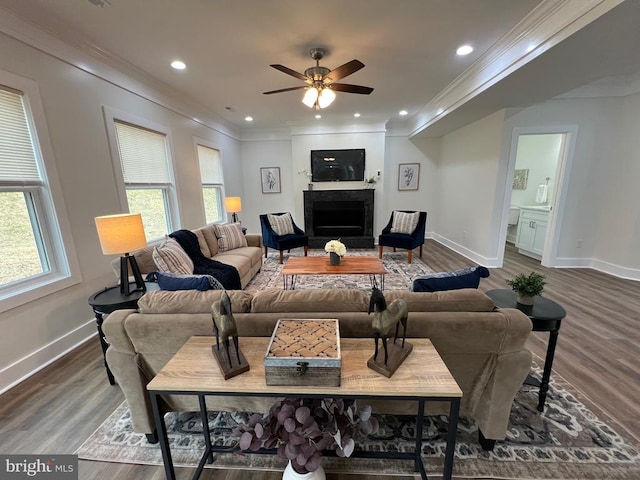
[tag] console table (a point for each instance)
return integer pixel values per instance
(546, 316)
(422, 377)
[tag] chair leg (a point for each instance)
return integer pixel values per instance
(281, 256)
(306, 250)
(380, 247)
(265, 252)
(420, 251)
(410, 256)
(394, 249)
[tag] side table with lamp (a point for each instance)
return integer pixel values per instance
(233, 205)
(119, 235)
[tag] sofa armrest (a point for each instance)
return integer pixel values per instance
(254, 240)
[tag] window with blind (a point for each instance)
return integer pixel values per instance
(33, 260)
(212, 182)
(144, 159)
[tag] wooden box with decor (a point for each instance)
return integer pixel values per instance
(304, 352)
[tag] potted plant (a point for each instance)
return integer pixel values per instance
(370, 182)
(301, 428)
(309, 176)
(335, 249)
(527, 286)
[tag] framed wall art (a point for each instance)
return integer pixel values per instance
(270, 179)
(408, 176)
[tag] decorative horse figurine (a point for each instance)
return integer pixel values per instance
(225, 325)
(384, 319)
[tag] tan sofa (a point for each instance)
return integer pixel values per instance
(483, 347)
(247, 260)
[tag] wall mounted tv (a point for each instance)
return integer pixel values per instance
(337, 165)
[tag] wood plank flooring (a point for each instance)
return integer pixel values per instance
(598, 352)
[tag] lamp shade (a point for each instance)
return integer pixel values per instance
(233, 204)
(326, 98)
(121, 233)
(310, 97)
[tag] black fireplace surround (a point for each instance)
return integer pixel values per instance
(343, 214)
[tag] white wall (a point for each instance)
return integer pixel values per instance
(35, 333)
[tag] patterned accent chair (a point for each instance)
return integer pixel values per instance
(270, 239)
(405, 240)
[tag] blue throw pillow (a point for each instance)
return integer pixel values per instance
(438, 282)
(175, 281)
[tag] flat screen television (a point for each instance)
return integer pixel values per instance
(337, 165)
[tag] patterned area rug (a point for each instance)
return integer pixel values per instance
(565, 442)
(400, 276)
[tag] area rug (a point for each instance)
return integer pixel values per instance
(400, 276)
(566, 442)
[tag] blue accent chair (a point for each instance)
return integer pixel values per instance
(404, 240)
(271, 239)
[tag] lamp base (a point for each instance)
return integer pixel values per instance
(234, 218)
(125, 288)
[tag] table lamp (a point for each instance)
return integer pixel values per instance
(121, 234)
(233, 205)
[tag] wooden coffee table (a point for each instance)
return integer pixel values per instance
(349, 265)
(422, 377)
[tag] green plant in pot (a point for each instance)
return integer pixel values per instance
(301, 428)
(527, 286)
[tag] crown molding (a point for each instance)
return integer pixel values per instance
(544, 27)
(339, 129)
(67, 46)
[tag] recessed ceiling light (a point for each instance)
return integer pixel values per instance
(318, 116)
(356, 115)
(464, 50)
(403, 112)
(248, 119)
(178, 65)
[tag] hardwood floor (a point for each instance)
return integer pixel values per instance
(598, 352)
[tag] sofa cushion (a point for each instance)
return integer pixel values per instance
(175, 281)
(463, 278)
(281, 224)
(202, 243)
(321, 300)
(466, 300)
(191, 301)
(170, 257)
(404, 222)
(229, 236)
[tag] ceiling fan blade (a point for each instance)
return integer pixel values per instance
(288, 71)
(343, 70)
(345, 87)
(285, 90)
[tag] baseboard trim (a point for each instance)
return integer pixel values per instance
(465, 252)
(32, 363)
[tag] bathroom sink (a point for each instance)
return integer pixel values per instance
(540, 208)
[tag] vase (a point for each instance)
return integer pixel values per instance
(290, 474)
(525, 299)
(334, 258)
(310, 186)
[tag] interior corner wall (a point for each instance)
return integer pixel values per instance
(37, 332)
(468, 187)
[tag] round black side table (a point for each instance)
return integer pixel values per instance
(107, 301)
(546, 316)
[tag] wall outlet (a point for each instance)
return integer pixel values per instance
(578, 243)
(379, 173)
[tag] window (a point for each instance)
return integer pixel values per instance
(212, 184)
(144, 159)
(32, 254)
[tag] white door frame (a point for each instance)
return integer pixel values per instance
(563, 173)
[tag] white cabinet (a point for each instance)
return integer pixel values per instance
(532, 231)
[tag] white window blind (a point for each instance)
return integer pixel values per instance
(210, 168)
(143, 155)
(18, 163)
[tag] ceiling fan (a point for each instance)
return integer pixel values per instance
(321, 86)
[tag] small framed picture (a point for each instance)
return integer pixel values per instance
(408, 176)
(270, 179)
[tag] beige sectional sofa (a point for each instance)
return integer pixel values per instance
(483, 347)
(247, 260)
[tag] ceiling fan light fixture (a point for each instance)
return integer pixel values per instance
(326, 97)
(310, 97)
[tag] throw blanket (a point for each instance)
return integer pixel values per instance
(227, 275)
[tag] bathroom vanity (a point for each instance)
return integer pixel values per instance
(532, 230)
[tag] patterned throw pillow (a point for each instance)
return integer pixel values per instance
(281, 224)
(170, 257)
(229, 236)
(404, 222)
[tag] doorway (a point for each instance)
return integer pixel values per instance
(539, 165)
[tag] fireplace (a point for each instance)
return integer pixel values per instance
(343, 214)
